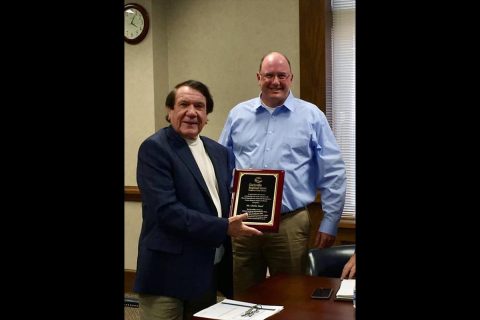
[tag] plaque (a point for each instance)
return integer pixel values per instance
(258, 193)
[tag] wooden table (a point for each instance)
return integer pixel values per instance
(293, 292)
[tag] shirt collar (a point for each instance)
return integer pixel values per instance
(289, 102)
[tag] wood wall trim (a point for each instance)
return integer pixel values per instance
(315, 48)
(129, 280)
(132, 193)
(347, 223)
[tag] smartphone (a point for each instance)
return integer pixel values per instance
(322, 293)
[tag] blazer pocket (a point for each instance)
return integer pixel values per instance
(165, 243)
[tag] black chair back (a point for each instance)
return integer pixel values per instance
(329, 262)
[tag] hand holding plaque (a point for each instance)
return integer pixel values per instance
(237, 228)
(258, 193)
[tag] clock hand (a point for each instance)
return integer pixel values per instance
(131, 22)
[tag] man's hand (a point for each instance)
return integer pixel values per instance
(237, 228)
(350, 268)
(324, 240)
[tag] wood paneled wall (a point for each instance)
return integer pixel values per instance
(315, 65)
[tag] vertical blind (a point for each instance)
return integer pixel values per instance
(341, 99)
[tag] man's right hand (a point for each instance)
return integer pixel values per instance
(349, 269)
(237, 228)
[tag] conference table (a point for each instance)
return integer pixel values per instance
(293, 292)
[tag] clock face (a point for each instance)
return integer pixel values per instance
(136, 23)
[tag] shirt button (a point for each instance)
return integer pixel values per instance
(265, 166)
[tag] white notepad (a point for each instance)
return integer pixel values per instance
(346, 289)
(235, 310)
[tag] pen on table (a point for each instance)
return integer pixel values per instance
(241, 305)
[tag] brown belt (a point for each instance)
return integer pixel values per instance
(291, 213)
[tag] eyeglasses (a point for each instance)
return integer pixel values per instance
(271, 76)
(250, 312)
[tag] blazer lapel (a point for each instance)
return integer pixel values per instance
(180, 146)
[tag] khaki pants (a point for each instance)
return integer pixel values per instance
(154, 307)
(282, 252)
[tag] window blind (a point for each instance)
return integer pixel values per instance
(340, 109)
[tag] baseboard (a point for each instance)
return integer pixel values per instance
(129, 280)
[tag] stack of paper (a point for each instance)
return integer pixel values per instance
(346, 289)
(237, 310)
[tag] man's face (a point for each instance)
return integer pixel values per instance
(274, 79)
(189, 113)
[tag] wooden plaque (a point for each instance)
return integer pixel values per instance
(259, 193)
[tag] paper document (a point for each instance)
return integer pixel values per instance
(346, 289)
(238, 310)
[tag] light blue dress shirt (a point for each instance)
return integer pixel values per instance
(296, 138)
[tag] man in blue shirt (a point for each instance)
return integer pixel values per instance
(279, 131)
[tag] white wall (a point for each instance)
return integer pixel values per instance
(221, 42)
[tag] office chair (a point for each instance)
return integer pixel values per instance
(329, 262)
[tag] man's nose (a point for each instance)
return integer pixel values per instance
(275, 79)
(191, 111)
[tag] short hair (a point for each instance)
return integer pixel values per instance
(194, 84)
(263, 58)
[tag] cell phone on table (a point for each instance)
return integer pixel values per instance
(322, 293)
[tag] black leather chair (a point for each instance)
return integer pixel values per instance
(329, 262)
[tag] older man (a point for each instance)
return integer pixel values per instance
(184, 180)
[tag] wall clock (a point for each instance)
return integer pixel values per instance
(136, 23)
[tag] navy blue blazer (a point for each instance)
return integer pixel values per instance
(181, 227)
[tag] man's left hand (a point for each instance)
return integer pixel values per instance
(324, 240)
